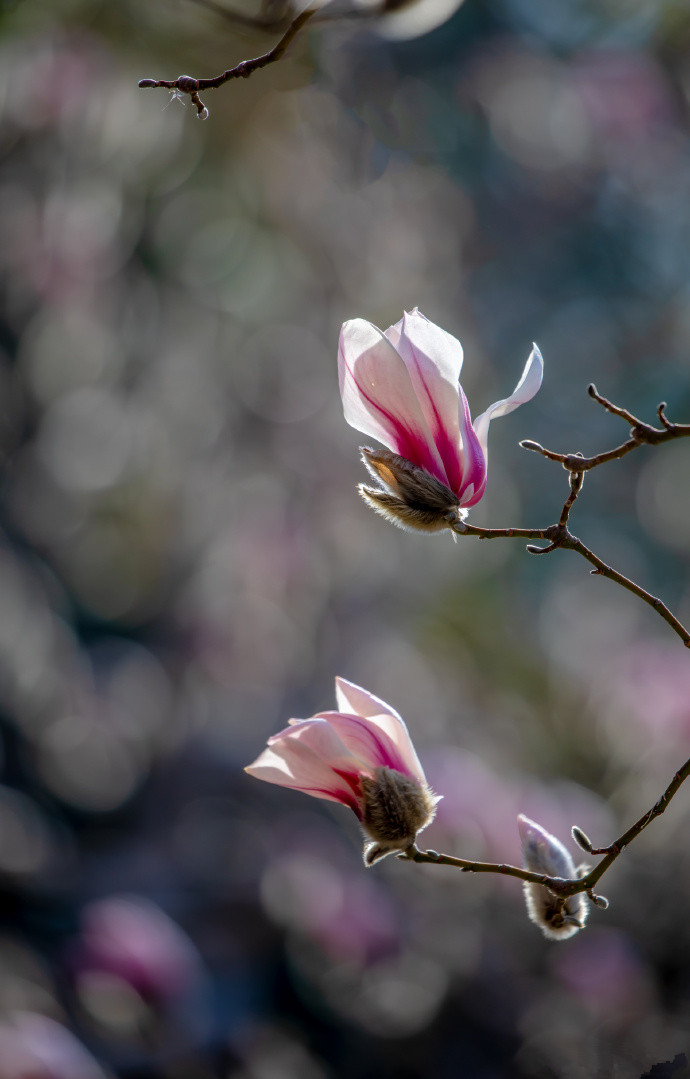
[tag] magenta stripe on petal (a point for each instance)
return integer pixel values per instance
(368, 743)
(405, 442)
(475, 462)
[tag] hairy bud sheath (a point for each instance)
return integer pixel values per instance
(395, 809)
(558, 918)
(408, 495)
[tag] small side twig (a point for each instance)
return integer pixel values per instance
(616, 848)
(187, 84)
(641, 434)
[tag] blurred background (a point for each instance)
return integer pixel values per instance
(185, 564)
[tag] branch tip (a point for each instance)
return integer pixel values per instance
(598, 900)
(533, 549)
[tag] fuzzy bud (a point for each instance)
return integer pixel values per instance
(395, 809)
(599, 900)
(408, 495)
(557, 917)
(582, 839)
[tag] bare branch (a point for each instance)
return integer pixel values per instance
(432, 857)
(640, 434)
(613, 575)
(561, 886)
(187, 84)
(614, 849)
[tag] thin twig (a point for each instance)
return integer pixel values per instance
(641, 434)
(574, 544)
(187, 84)
(559, 535)
(576, 465)
(431, 857)
(461, 528)
(622, 842)
(561, 886)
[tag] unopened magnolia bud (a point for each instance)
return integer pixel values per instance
(557, 917)
(408, 495)
(599, 900)
(582, 839)
(395, 809)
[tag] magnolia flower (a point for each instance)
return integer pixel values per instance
(401, 387)
(557, 918)
(361, 756)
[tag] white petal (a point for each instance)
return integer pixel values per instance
(433, 359)
(378, 396)
(524, 391)
(304, 757)
(352, 698)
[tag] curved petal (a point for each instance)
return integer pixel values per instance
(360, 702)
(378, 396)
(353, 698)
(433, 359)
(367, 741)
(524, 391)
(310, 757)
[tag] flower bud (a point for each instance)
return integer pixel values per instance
(557, 917)
(582, 839)
(408, 495)
(395, 808)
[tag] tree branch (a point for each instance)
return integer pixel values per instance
(187, 84)
(559, 535)
(641, 433)
(561, 886)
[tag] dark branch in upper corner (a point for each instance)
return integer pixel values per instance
(187, 84)
(641, 434)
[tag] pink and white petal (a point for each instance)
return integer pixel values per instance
(352, 698)
(451, 356)
(360, 702)
(524, 391)
(433, 359)
(295, 765)
(321, 739)
(367, 741)
(378, 396)
(474, 475)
